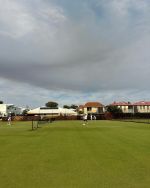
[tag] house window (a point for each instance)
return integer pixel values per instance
(89, 108)
(100, 110)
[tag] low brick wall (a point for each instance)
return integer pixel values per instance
(36, 118)
(22, 118)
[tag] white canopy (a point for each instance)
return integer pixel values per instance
(48, 111)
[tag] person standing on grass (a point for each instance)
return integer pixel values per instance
(9, 120)
(91, 117)
(85, 119)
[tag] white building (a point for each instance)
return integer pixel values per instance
(137, 107)
(52, 112)
(7, 109)
(126, 107)
(142, 107)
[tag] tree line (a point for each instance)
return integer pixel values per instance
(52, 104)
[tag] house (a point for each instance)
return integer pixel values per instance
(94, 108)
(7, 109)
(91, 108)
(126, 107)
(142, 107)
(137, 107)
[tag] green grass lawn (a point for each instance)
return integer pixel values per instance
(66, 154)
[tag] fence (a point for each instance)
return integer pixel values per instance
(37, 118)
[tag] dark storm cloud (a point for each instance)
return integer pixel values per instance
(45, 47)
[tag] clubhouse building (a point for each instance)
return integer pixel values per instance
(9, 109)
(53, 112)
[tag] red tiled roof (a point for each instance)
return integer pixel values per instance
(93, 104)
(142, 103)
(121, 103)
(81, 107)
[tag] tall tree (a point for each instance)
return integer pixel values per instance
(51, 104)
(114, 110)
(66, 106)
(73, 106)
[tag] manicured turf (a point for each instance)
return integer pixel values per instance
(103, 154)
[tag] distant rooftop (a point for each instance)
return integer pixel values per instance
(140, 103)
(122, 103)
(93, 104)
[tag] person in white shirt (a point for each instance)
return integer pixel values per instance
(85, 119)
(91, 117)
(9, 120)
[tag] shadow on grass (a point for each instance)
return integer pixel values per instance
(136, 121)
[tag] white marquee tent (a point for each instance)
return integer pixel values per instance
(53, 112)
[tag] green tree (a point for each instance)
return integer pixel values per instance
(73, 106)
(114, 110)
(51, 104)
(66, 106)
(80, 112)
(1, 102)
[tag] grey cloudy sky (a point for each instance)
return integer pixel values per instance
(74, 51)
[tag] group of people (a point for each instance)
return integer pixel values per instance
(85, 118)
(93, 117)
